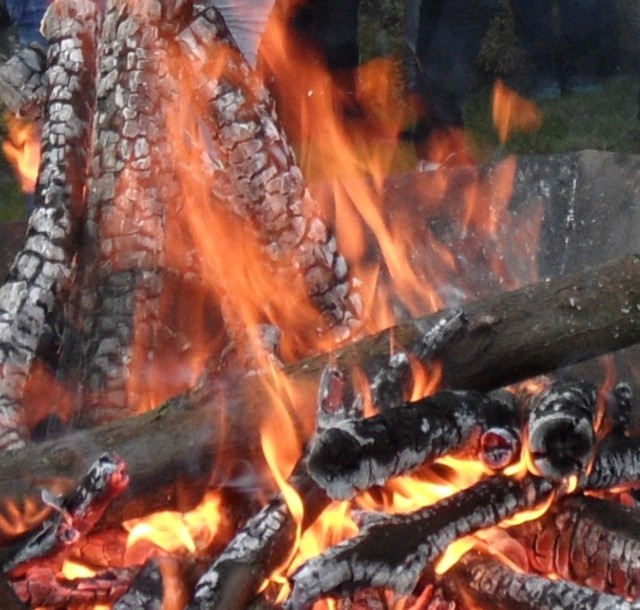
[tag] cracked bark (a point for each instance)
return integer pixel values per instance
(256, 174)
(493, 585)
(43, 265)
(22, 83)
(587, 540)
(393, 550)
(116, 292)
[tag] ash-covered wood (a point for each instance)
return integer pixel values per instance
(22, 82)
(616, 464)
(115, 297)
(146, 591)
(393, 551)
(43, 587)
(43, 265)
(255, 171)
(588, 541)
(560, 428)
(73, 517)
(358, 454)
(492, 585)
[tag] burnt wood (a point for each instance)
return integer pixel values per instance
(393, 550)
(589, 541)
(266, 540)
(490, 584)
(560, 428)
(43, 265)
(565, 320)
(360, 453)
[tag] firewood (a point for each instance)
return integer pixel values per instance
(146, 591)
(490, 584)
(565, 320)
(266, 540)
(73, 517)
(43, 265)
(114, 301)
(616, 464)
(588, 541)
(393, 550)
(358, 454)
(560, 428)
(22, 83)
(255, 172)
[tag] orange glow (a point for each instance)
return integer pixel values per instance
(172, 531)
(513, 113)
(72, 570)
(22, 150)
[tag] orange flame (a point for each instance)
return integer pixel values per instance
(513, 113)
(22, 149)
(173, 531)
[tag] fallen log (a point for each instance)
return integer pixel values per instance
(499, 341)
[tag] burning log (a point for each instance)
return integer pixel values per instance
(393, 551)
(155, 587)
(491, 584)
(73, 517)
(116, 292)
(616, 464)
(266, 540)
(565, 320)
(358, 454)
(22, 87)
(43, 265)
(255, 171)
(560, 428)
(588, 541)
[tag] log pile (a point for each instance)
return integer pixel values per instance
(94, 271)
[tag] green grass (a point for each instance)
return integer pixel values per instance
(601, 120)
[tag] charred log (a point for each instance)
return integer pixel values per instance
(616, 464)
(588, 541)
(393, 551)
(267, 539)
(116, 292)
(22, 83)
(490, 584)
(74, 516)
(43, 265)
(359, 454)
(255, 171)
(146, 591)
(560, 428)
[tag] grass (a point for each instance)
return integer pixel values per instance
(601, 120)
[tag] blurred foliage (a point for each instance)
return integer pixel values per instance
(501, 52)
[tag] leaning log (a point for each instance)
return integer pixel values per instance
(500, 340)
